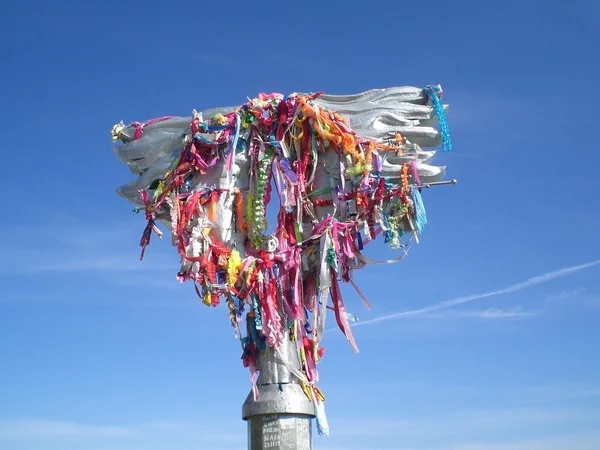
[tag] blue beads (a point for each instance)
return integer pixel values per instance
(432, 93)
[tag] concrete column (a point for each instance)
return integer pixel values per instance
(281, 417)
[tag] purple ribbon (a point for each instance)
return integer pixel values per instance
(287, 171)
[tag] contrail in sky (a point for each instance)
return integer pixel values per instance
(470, 298)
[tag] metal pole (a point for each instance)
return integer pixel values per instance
(281, 416)
(435, 183)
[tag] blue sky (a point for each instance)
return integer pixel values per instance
(485, 338)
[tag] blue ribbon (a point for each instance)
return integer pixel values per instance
(420, 214)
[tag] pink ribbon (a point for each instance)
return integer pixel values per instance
(140, 126)
(341, 316)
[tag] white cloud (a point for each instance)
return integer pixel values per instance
(496, 313)
(35, 429)
(156, 435)
(111, 263)
(465, 106)
(560, 393)
(534, 281)
(100, 259)
(482, 429)
(74, 246)
(490, 313)
(500, 429)
(462, 423)
(567, 294)
(583, 441)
